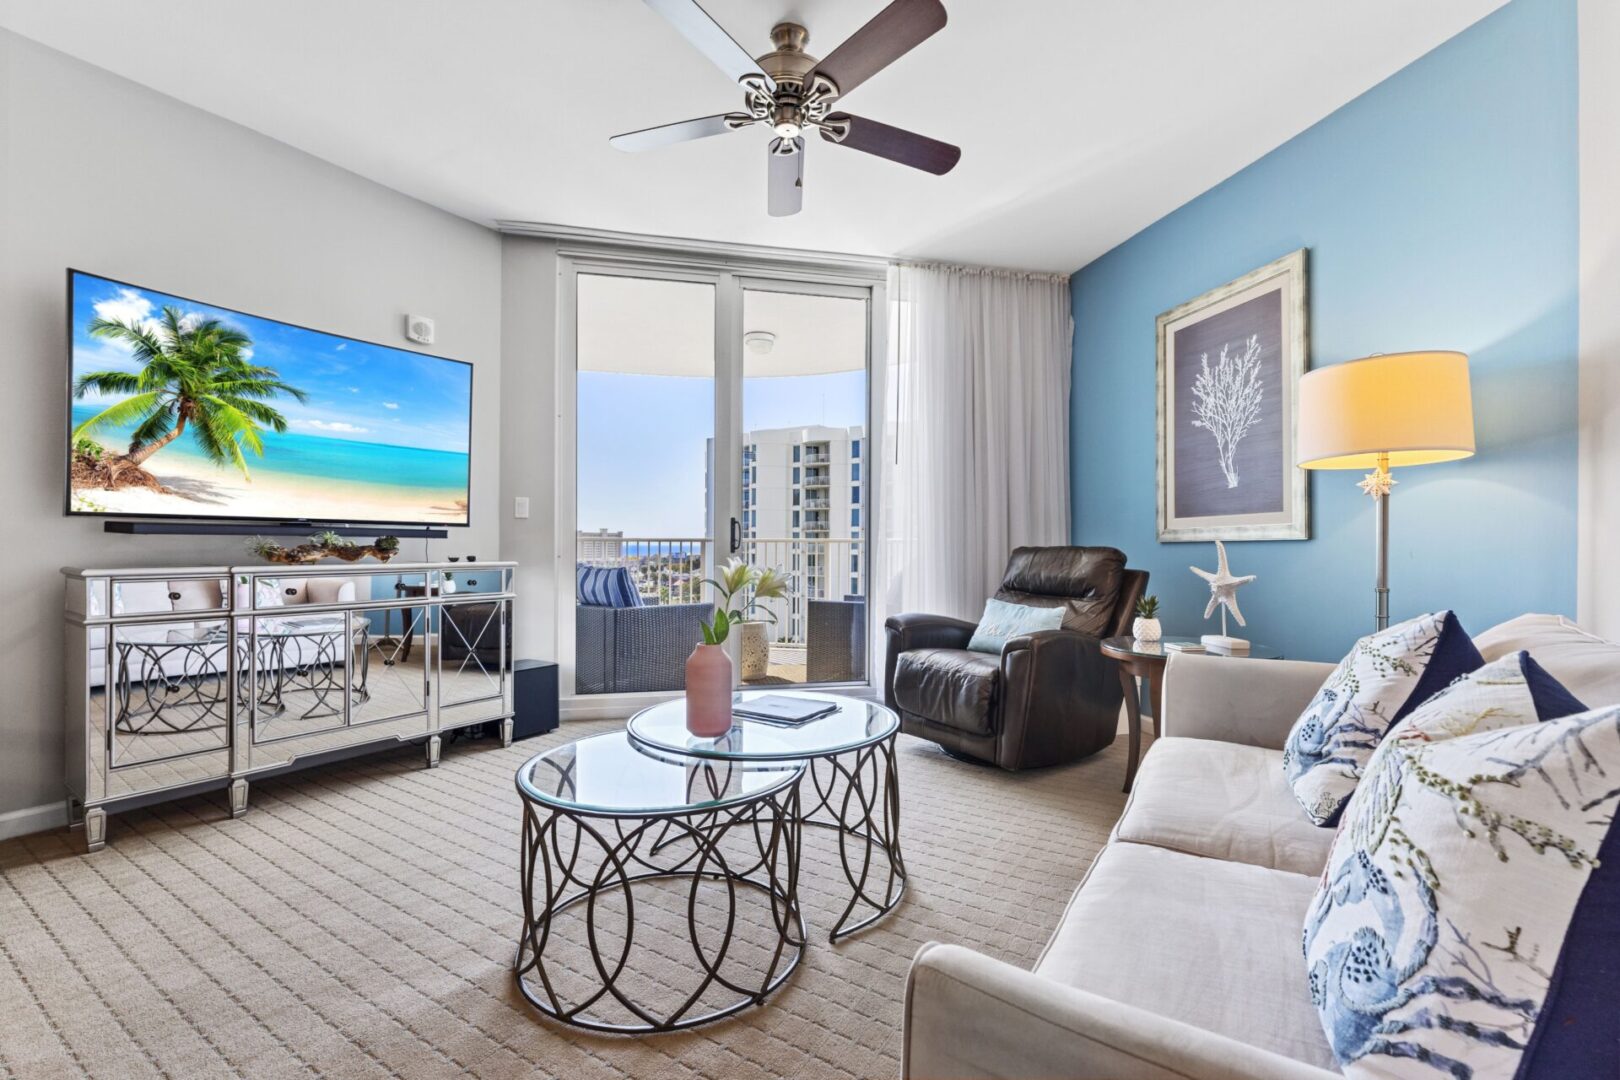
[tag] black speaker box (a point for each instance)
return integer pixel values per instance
(534, 698)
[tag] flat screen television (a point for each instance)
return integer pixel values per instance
(181, 409)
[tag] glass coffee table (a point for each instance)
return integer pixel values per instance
(849, 757)
(604, 820)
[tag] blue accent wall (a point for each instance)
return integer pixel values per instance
(1440, 211)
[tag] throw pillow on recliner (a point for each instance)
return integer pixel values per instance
(1386, 676)
(1002, 621)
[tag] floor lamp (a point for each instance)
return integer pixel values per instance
(1383, 412)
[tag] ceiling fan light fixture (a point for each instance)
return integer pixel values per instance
(759, 342)
(792, 92)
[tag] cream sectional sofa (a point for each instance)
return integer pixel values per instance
(1179, 954)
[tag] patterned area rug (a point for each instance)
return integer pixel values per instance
(361, 920)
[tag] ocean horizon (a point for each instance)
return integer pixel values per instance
(303, 456)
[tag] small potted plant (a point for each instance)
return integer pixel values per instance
(1146, 626)
(712, 671)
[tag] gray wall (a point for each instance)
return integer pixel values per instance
(104, 175)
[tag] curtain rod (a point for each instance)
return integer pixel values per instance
(986, 271)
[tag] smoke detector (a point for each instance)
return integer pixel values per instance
(759, 342)
(419, 328)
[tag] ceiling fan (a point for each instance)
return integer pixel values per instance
(792, 91)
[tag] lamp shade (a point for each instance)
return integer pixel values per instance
(1414, 407)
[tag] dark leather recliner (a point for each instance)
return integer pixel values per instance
(1049, 697)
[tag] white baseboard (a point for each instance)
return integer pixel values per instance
(33, 819)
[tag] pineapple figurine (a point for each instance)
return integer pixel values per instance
(1146, 626)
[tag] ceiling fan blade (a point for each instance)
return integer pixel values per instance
(892, 33)
(786, 180)
(669, 134)
(710, 38)
(896, 144)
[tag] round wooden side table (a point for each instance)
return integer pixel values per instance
(1146, 659)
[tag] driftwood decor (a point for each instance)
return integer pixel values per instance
(324, 545)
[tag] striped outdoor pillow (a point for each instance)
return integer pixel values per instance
(605, 586)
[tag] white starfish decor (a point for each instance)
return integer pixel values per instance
(1377, 484)
(1223, 587)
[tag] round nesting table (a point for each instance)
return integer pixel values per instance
(1147, 659)
(849, 756)
(604, 821)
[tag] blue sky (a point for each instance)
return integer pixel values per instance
(642, 440)
(357, 391)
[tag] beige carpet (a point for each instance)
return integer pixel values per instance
(360, 921)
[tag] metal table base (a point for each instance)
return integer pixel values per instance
(685, 846)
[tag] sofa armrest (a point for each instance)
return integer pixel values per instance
(1253, 702)
(919, 631)
(968, 1015)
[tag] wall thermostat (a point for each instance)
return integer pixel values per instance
(419, 328)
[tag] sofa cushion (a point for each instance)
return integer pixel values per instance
(1224, 801)
(330, 590)
(1385, 676)
(1083, 581)
(952, 687)
(280, 592)
(1587, 665)
(196, 594)
(1467, 919)
(1002, 621)
(1211, 943)
(141, 597)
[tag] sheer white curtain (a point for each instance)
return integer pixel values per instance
(976, 434)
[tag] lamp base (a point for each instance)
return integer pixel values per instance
(1222, 643)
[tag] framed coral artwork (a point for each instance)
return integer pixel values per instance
(1229, 368)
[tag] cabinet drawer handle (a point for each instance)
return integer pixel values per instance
(174, 596)
(290, 592)
(471, 582)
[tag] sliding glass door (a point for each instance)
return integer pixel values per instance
(803, 447)
(644, 408)
(716, 416)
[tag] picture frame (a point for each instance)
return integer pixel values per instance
(1229, 364)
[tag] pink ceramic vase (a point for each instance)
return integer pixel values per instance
(708, 692)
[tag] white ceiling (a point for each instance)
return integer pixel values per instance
(1081, 121)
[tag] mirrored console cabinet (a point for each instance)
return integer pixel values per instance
(186, 679)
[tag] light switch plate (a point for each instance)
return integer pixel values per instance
(520, 506)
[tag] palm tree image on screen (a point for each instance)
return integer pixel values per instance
(194, 375)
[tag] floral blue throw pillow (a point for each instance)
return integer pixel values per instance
(1386, 676)
(1468, 921)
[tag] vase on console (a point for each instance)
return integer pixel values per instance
(708, 692)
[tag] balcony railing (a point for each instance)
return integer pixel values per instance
(670, 570)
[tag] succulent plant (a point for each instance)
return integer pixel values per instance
(263, 546)
(387, 543)
(329, 539)
(1148, 607)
